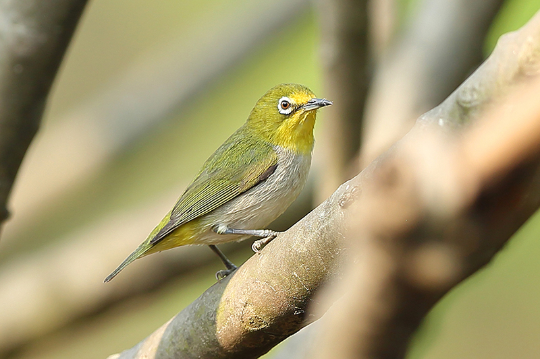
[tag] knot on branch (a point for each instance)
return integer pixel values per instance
(529, 57)
(349, 196)
(251, 319)
(470, 95)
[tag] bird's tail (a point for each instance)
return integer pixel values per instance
(139, 252)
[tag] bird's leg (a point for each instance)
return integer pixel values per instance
(230, 265)
(267, 235)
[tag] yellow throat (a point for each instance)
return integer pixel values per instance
(284, 117)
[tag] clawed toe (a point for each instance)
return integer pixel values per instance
(222, 274)
(258, 245)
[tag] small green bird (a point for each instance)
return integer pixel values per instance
(248, 182)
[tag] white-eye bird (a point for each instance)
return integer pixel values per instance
(248, 182)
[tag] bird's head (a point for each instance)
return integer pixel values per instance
(285, 116)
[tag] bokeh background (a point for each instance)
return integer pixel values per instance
(147, 91)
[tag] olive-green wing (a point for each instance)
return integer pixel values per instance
(238, 165)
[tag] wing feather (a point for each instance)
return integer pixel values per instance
(238, 165)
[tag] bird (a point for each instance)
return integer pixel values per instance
(247, 183)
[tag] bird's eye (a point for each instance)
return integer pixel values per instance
(285, 106)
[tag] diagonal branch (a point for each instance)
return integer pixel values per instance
(34, 36)
(436, 211)
(439, 208)
(266, 299)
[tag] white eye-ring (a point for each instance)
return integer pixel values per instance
(285, 106)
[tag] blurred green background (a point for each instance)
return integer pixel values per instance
(495, 314)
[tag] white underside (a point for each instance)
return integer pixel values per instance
(259, 206)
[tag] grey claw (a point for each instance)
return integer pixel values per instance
(258, 245)
(222, 274)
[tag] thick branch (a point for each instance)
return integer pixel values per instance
(265, 301)
(34, 36)
(434, 212)
(438, 211)
(243, 316)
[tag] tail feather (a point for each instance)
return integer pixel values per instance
(139, 252)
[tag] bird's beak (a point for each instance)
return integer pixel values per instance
(316, 103)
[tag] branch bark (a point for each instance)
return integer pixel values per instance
(249, 312)
(34, 37)
(265, 300)
(438, 209)
(434, 212)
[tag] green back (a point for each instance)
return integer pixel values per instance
(241, 163)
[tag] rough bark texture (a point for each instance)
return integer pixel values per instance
(246, 314)
(442, 44)
(34, 36)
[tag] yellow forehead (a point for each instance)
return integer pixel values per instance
(300, 97)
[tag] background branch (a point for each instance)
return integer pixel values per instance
(252, 310)
(133, 103)
(424, 66)
(383, 23)
(34, 36)
(345, 59)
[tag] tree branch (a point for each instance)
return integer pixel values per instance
(265, 300)
(434, 212)
(249, 312)
(383, 23)
(34, 37)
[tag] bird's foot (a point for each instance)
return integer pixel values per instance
(222, 274)
(258, 245)
(228, 264)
